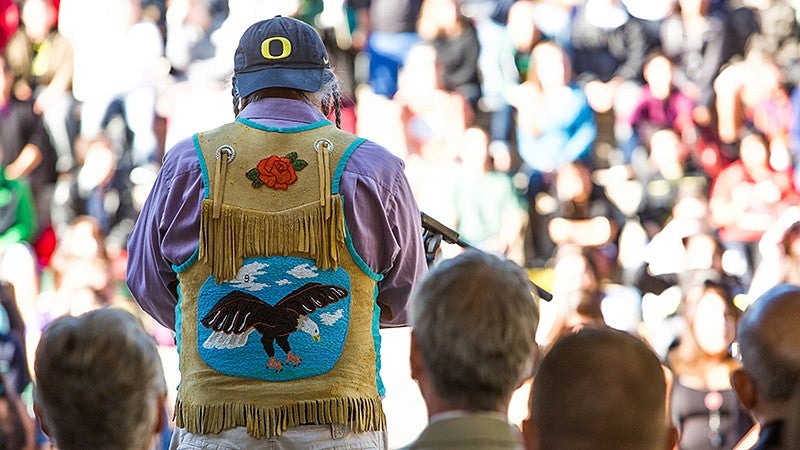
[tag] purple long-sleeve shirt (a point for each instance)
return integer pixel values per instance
(379, 208)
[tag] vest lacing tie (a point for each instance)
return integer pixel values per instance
(324, 163)
(221, 172)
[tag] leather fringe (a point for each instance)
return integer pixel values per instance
(239, 233)
(362, 414)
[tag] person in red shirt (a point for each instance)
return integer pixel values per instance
(9, 21)
(746, 198)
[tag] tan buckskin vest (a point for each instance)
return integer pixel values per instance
(277, 320)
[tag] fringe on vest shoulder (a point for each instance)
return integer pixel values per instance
(239, 233)
(362, 414)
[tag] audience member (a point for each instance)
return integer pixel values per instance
(703, 404)
(488, 212)
(585, 294)
(497, 69)
(667, 170)
(575, 309)
(81, 265)
(11, 316)
(99, 382)
(16, 426)
(746, 197)
(433, 121)
(126, 76)
(17, 210)
(694, 36)
(229, 20)
(779, 254)
(22, 143)
(13, 359)
(608, 52)
(650, 15)
(769, 346)
(523, 33)
(474, 318)
(704, 260)
(555, 127)
(432, 117)
(608, 46)
(456, 42)
(661, 105)
(386, 30)
(190, 26)
(42, 61)
(687, 220)
(666, 283)
(555, 122)
(752, 93)
(98, 187)
(26, 151)
(9, 15)
(778, 34)
(584, 214)
(599, 389)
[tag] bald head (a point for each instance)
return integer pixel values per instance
(599, 389)
(769, 342)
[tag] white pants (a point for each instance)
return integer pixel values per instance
(305, 437)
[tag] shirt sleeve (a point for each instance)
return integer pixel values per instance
(408, 265)
(166, 234)
(384, 222)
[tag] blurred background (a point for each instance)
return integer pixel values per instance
(638, 157)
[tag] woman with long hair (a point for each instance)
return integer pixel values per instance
(704, 405)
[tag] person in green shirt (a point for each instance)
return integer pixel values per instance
(17, 211)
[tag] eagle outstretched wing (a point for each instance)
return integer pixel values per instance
(238, 314)
(311, 296)
(232, 319)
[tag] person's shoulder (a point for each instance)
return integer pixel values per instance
(181, 150)
(181, 158)
(372, 160)
(376, 150)
(476, 431)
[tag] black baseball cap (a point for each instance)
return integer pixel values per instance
(279, 52)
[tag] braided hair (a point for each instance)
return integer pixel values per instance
(327, 98)
(236, 100)
(337, 107)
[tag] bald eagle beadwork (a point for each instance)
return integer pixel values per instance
(236, 315)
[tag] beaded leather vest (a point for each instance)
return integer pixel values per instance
(277, 319)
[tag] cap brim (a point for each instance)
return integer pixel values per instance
(271, 77)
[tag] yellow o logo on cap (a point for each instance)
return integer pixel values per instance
(286, 48)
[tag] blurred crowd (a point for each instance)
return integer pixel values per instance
(639, 157)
